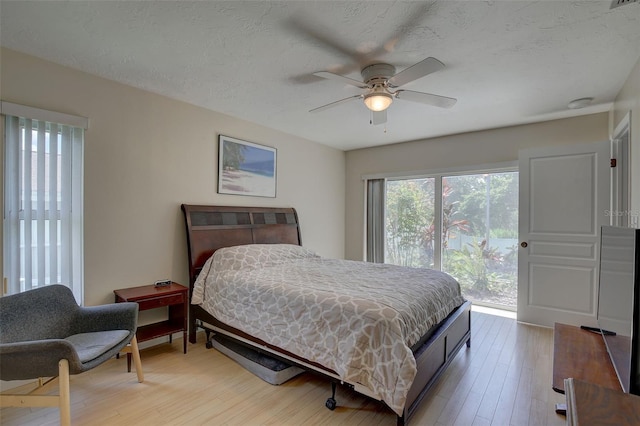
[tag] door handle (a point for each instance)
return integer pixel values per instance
(524, 244)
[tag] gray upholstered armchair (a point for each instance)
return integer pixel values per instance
(45, 334)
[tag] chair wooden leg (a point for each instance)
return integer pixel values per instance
(136, 359)
(65, 394)
(36, 397)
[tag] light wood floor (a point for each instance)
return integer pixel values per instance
(503, 379)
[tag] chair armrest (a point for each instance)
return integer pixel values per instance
(113, 316)
(36, 358)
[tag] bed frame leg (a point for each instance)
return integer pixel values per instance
(193, 328)
(331, 401)
(209, 343)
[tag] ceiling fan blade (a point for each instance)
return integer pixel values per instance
(311, 28)
(416, 71)
(337, 77)
(379, 117)
(426, 98)
(332, 104)
(414, 20)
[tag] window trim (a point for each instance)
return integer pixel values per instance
(504, 166)
(17, 110)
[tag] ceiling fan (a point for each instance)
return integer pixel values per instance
(381, 85)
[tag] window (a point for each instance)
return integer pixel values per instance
(410, 222)
(42, 224)
(463, 224)
(480, 236)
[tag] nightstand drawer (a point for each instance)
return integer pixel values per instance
(158, 302)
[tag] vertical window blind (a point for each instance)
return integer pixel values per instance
(43, 204)
(375, 220)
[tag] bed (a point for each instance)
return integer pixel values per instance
(398, 365)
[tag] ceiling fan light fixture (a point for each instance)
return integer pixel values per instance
(378, 101)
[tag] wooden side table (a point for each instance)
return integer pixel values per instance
(174, 296)
(590, 404)
(581, 355)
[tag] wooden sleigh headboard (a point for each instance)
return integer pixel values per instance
(212, 227)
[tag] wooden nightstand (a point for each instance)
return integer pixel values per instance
(174, 296)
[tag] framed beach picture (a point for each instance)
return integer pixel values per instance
(246, 168)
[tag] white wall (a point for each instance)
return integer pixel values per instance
(463, 150)
(628, 100)
(146, 154)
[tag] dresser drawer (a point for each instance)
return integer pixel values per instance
(158, 302)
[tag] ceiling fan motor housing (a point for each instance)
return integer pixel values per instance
(378, 73)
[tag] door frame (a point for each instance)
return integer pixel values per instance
(619, 213)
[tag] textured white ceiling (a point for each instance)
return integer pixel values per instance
(507, 62)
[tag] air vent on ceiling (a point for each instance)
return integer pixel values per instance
(618, 3)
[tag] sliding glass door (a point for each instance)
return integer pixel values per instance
(480, 236)
(466, 225)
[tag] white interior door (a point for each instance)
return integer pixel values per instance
(564, 192)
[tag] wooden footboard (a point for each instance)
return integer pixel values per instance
(433, 358)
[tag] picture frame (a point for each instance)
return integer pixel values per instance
(246, 168)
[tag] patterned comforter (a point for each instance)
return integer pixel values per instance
(358, 319)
